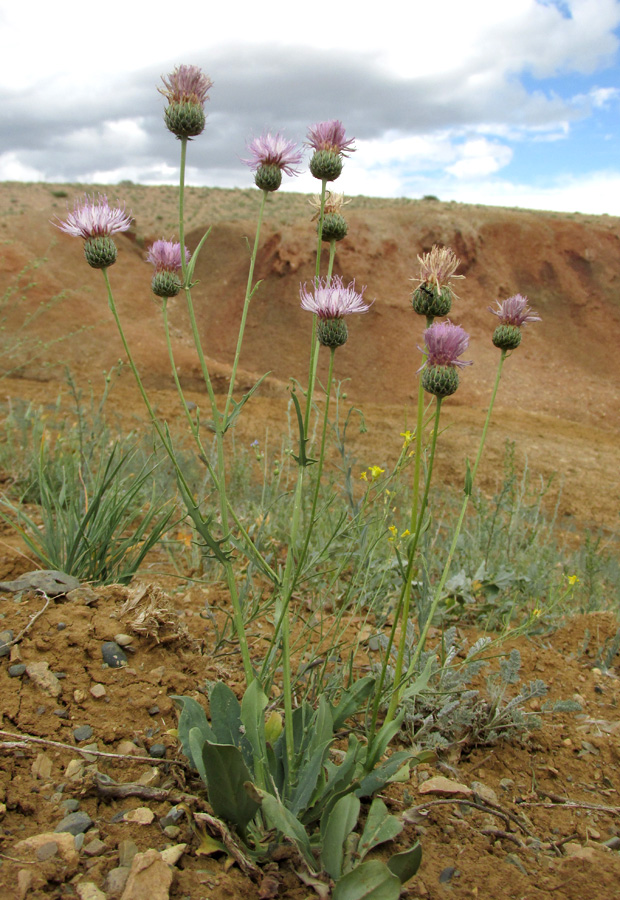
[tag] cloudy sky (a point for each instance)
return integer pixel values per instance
(488, 101)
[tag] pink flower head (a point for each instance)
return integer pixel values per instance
(274, 150)
(166, 256)
(515, 311)
(94, 218)
(330, 299)
(444, 344)
(187, 84)
(330, 136)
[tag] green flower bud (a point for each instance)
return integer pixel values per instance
(100, 252)
(326, 165)
(166, 284)
(507, 337)
(428, 301)
(332, 333)
(440, 380)
(185, 119)
(268, 177)
(334, 227)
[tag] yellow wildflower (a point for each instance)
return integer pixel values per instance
(375, 471)
(363, 476)
(408, 436)
(573, 579)
(405, 533)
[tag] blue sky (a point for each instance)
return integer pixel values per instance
(513, 104)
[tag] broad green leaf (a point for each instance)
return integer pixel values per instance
(352, 700)
(192, 716)
(380, 827)
(226, 775)
(225, 714)
(279, 817)
(335, 828)
(404, 865)
(372, 880)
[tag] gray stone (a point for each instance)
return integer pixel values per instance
(172, 817)
(70, 805)
(17, 670)
(113, 655)
(50, 581)
(82, 733)
(5, 639)
(157, 751)
(115, 881)
(94, 848)
(74, 823)
(153, 710)
(46, 851)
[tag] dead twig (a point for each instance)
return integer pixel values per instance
(215, 826)
(33, 619)
(481, 805)
(557, 800)
(109, 788)
(508, 835)
(84, 751)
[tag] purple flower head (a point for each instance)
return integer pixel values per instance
(166, 256)
(515, 311)
(330, 299)
(444, 343)
(187, 84)
(330, 136)
(94, 218)
(274, 150)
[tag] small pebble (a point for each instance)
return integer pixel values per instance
(158, 751)
(98, 691)
(447, 874)
(123, 640)
(172, 817)
(61, 626)
(78, 840)
(153, 710)
(83, 733)
(94, 848)
(40, 710)
(62, 713)
(5, 639)
(613, 843)
(17, 670)
(113, 655)
(172, 831)
(74, 823)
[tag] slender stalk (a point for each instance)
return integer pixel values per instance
(468, 487)
(249, 290)
(219, 425)
(314, 346)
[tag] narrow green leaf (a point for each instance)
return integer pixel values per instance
(308, 775)
(372, 880)
(404, 865)
(301, 459)
(335, 828)
(380, 827)
(279, 817)
(237, 407)
(192, 263)
(383, 773)
(352, 700)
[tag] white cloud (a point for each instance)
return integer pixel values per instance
(480, 157)
(13, 169)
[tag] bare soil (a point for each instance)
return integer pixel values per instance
(556, 793)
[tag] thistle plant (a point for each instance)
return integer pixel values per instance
(266, 773)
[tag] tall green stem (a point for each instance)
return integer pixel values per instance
(468, 488)
(249, 290)
(314, 346)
